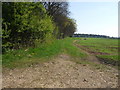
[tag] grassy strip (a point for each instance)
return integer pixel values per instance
(72, 50)
(23, 57)
(109, 57)
(44, 52)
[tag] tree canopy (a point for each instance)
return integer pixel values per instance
(25, 23)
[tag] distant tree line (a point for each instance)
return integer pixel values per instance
(26, 23)
(92, 36)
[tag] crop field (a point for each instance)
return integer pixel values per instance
(106, 49)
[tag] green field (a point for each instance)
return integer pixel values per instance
(106, 49)
(103, 48)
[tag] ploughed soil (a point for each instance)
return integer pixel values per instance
(60, 72)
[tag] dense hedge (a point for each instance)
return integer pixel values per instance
(24, 23)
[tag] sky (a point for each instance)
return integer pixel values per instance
(95, 17)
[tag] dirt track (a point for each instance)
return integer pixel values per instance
(60, 73)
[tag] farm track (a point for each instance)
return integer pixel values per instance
(92, 56)
(60, 72)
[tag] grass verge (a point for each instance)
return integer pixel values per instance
(42, 53)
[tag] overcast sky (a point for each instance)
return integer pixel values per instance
(95, 17)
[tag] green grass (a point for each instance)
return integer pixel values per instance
(101, 45)
(69, 48)
(44, 52)
(109, 57)
(22, 57)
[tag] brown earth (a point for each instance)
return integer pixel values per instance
(60, 73)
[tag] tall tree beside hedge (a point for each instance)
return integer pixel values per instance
(70, 27)
(24, 23)
(60, 15)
